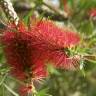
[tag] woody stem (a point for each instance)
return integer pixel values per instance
(9, 11)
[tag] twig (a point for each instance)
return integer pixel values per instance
(9, 11)
(63, 14)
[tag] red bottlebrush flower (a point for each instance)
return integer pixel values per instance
(92, 12)
(25, 90)
(20, 54)
(57, 38)
(28, 51)
(52, 40)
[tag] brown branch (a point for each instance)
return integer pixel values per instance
(62, 13)
(9, 11)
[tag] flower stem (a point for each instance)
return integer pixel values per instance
(34, 92)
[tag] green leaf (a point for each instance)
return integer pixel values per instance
(87, 27)
(10, 90)
(27, 17)
(43, 92)
(52, 70)
(3, 79)
(39, 2)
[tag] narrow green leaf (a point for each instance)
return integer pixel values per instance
(10, 90)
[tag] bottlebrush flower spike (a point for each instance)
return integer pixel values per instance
(24, 90)
(47, 32)
(20, 54)
(53, 40)
(28, 51)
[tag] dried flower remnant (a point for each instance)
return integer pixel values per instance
(67, 7)
(92, 12)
